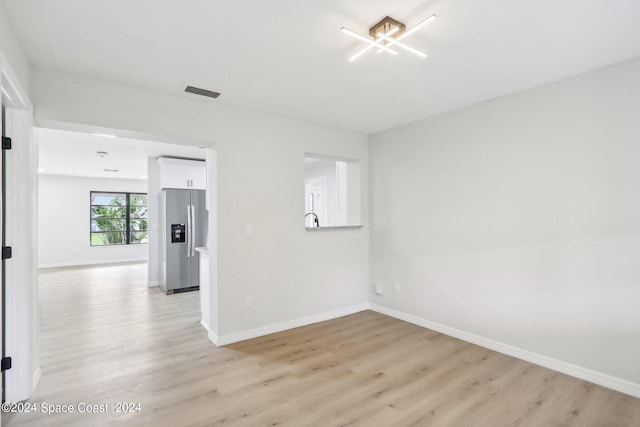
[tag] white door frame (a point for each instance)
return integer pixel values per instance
(21, 291)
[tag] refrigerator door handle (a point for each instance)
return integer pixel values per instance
(193, 230)
(189, 227)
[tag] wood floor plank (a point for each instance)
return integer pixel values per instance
(107, 338)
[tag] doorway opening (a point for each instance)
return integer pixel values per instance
(315, 204)
(99, 238)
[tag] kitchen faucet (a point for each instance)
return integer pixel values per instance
(317, 222)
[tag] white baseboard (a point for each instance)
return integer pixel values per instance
(154, 283)
(213, 337)
(92, 262)
(283, 326)
(595, 377)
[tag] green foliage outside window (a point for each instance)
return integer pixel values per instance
(118, 218)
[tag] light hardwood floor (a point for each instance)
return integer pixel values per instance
(107, 338)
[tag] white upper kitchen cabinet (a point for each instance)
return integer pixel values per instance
(182, 173)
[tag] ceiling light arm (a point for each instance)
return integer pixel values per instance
(392, 31)
(393, 42)
(367, 40)
(360, 52)
(417, 27)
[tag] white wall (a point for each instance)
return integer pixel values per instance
(291, 274)
(12, 51)
(64, 222)
(354, 197)
(210, 311)
(518, 220)
(153, 237)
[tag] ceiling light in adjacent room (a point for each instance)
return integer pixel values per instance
(4, 92)
(386, 34)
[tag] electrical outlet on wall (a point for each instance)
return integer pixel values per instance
(396, 288)
(377, 288)
(248, 302)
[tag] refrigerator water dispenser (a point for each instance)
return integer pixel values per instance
(178, 232)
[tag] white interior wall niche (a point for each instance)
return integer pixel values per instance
(332, 191)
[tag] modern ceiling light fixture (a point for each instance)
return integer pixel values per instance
(387, 34)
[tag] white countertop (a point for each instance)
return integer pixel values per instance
(332, 227)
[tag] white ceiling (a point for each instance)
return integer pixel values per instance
(74, 154)
(289, 57)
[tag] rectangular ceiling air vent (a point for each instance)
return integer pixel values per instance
(203, 92)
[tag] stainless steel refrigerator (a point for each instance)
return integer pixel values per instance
(184, 223)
